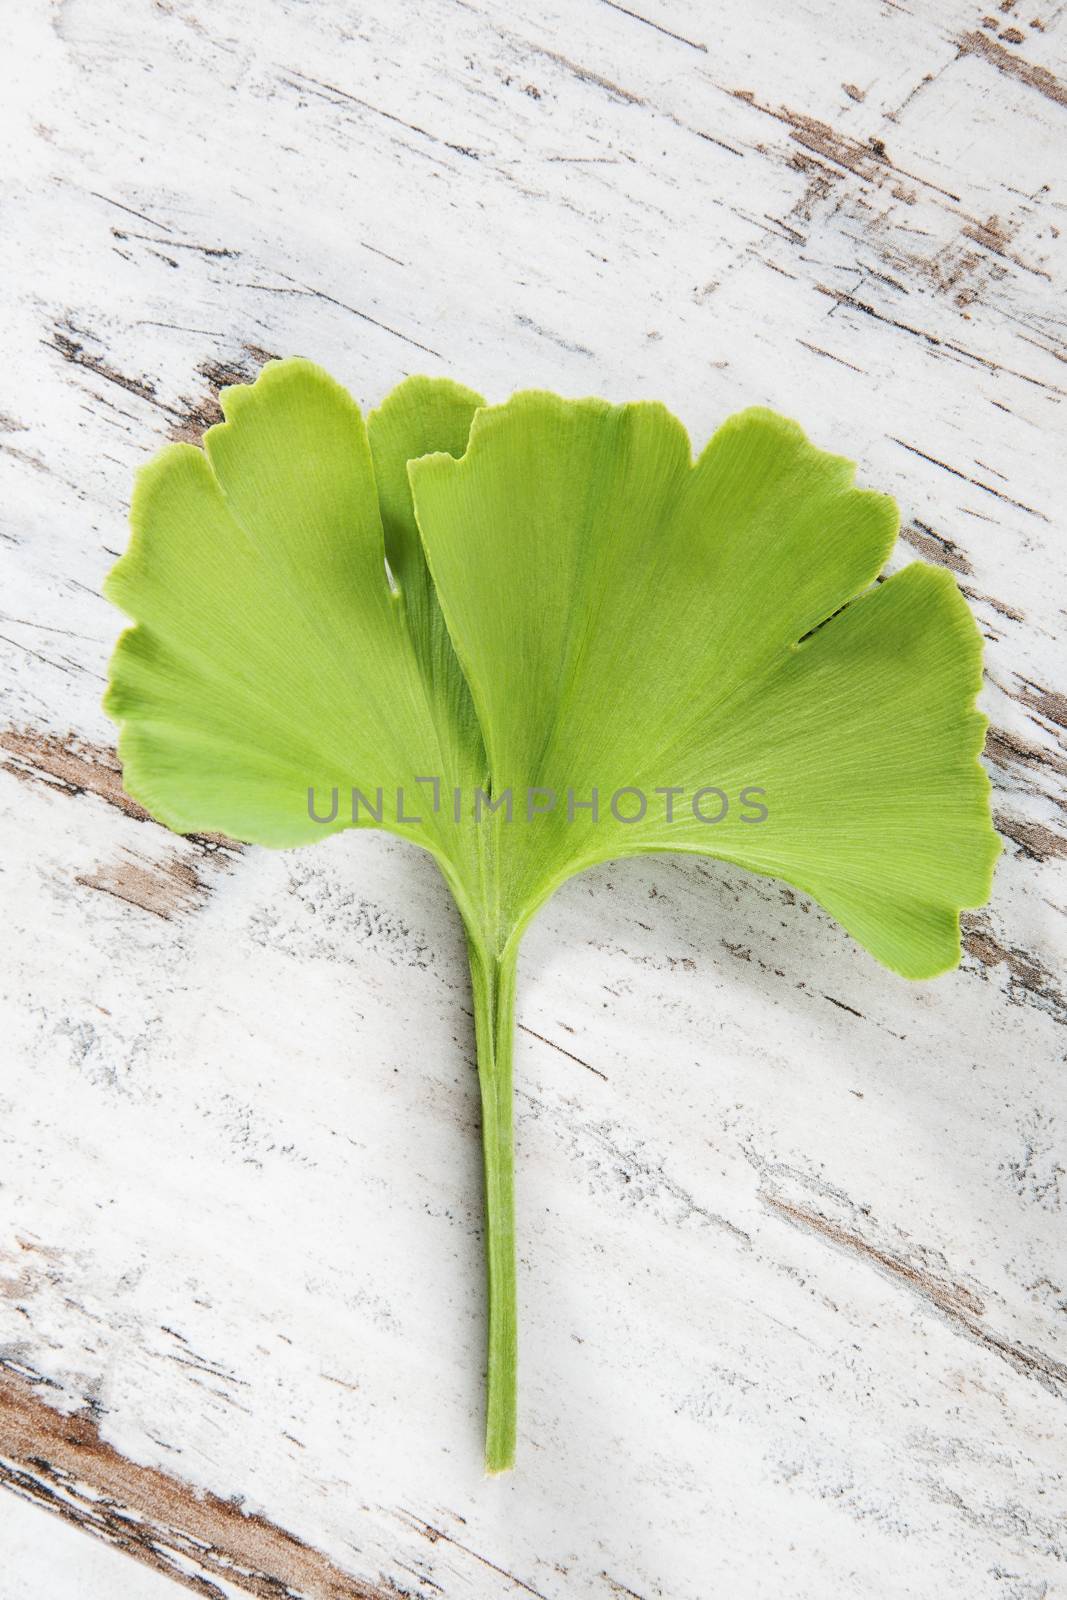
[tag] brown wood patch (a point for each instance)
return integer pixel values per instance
(75, 765)
(61, 1463)
(166, 888)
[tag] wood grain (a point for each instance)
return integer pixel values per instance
(792, 1276)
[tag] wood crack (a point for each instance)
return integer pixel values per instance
(1029, 980)
(74, 351)
(668, 33)
(959, 1305)
(330, 300)
(844, 298)
(966, 477)
(430, 1531)
(552, 1045)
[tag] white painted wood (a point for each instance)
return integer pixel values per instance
(793, 1274)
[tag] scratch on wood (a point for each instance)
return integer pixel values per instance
(866, 159)
(330, 300)
(583, 74)
(819, 351)
(841, 1006)
(845, 299)
(433, 1533)
(72, 350)
(960, 1305)
(621, 1588)
(61, 1463)
(1013, 66)
(569, 1054)
(1028, 979)
(153, 222)
(328, 89)
(355, 100)
(993, 236)
(956, 473)
(218, 251)
(616, 90)
(1012, 613)
(555, 338)
(680, 38)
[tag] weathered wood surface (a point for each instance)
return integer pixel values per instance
(793, 1263)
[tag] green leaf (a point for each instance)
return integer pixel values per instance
(626, 619)
(271, 652)
(548, 599)
(420, 417)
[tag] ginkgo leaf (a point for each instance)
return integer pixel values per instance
(537, 636)
(671, 656)
(272, 654)
(421, 417)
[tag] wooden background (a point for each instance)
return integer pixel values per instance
(793, 1270)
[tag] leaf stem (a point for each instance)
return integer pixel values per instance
(493, 980)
